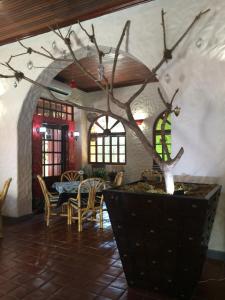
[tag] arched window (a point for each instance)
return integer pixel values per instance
(107, 141)
(157, 136)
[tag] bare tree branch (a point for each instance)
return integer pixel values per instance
(156, 68)
(117, 52)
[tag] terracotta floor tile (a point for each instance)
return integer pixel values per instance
(58, 263)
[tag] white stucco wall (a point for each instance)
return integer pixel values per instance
(198, 71)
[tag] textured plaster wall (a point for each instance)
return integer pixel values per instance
(198, 70)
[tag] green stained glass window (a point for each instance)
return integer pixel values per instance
(157, 136)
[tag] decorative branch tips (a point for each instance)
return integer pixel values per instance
(125, 116)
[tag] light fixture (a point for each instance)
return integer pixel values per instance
(41, 129)
(139, 122)
(75, 134)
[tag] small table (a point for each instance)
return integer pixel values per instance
(66, 190)
(66, 186)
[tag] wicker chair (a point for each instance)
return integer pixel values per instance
(51, 200)
(3, 195)
(88, 203)
(71, 175)
(118, 181)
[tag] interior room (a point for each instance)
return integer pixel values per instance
(112, 154)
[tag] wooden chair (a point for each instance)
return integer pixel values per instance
(88, 203)
(118, 181)
(3, 195)
(51, 200)
(71, 175)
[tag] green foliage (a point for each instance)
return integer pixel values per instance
(101, 173)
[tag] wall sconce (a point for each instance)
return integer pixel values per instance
(139, 122)
(75, 134)
(41, 129)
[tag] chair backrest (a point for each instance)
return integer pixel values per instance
(71, 175)
(118, 181)
(44, 189)
(90, 187)
(4, 191)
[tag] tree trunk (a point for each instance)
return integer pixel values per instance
(169, 181)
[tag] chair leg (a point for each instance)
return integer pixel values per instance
(101, 218)
(80, 225)
(48, 217)
(69, 215)
(1, 231)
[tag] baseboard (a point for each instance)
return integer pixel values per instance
(218, 255)
(13, 220)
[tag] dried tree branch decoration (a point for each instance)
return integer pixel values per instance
(107, 86)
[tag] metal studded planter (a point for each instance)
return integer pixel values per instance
(162, 239)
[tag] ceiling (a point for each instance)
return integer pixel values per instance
(24, 18)
(128, 72)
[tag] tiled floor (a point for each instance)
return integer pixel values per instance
(60, 264)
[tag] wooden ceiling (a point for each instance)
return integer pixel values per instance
(25, 18)
(128, 72)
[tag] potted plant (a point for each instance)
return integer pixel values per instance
(162, 239)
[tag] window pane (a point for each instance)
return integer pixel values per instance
(107, 149)
(57, 146)
(99, 149)
(63, 116)
(159, 149)
(111, 122)
(48, 159)
(40, 112)
(57, 158)
(40, 103)
(99, 140)
(69, 109)
(158, 139)
(48, 171)
(64, 108)
(122, 149)
(122, 158)
(100, 158)
(93, 158)
(92, 142)
(93, 150)
(114, 158)
(46, 112)
(69, 117)
(48, 146)
(53, 105)
(118, 128)
(114, 149)
(57, 134)
(159, 123)
(57, 170)
(168, 138)
(107, 140)
(107, 158)
(102, 122)
(58, 107)
(114, 140)
(46, 104)
(96, 129)
(122, 140)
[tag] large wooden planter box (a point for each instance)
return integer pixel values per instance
(162, 239)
